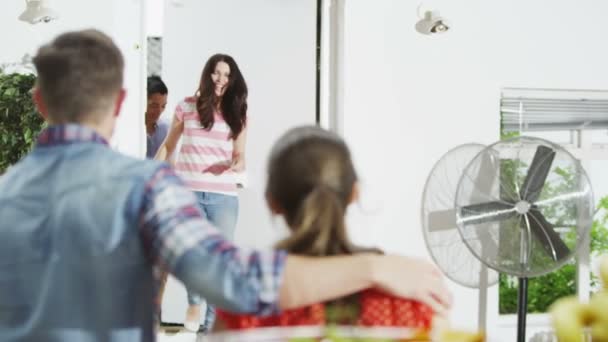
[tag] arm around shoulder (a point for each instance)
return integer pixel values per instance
(307, 280)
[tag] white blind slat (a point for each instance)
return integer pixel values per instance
(571, 111)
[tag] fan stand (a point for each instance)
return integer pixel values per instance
(522, 309)
(478, 201)
(482, 309)
(522, 208)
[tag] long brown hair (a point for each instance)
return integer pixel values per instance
(233, 103)
(311, 177)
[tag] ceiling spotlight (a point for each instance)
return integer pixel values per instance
(38, 11)
(432, 23)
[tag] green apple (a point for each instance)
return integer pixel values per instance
(598, 309)
(599, 332)
(569, 317)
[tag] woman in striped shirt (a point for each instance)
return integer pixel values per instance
(212, 125)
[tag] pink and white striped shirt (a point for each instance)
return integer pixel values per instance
(205, 156)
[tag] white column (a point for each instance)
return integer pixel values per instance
(332, 65)
(583, 279)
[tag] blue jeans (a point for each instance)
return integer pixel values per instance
(222, 211)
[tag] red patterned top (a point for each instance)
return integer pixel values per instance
(374, 309)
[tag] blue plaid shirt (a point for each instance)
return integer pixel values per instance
(173, 235)
(172, 225)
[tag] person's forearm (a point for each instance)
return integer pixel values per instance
(239, 144)
(219, 278)
(163, 153)
(308, 280)
(183, 242)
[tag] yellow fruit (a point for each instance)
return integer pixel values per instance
(598, 306)
(599, 332)
(569, 317)
(461, 336)
(598, 309)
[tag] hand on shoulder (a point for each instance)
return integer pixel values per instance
(412, 278)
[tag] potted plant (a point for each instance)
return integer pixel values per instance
(20, 123)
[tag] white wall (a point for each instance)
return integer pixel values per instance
(409, 98)
(121, 19)
(273, 42)
(155, 13)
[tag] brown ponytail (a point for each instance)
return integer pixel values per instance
(318, 226)
(311, 178)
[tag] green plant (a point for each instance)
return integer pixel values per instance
(20, 123)
(542, 291)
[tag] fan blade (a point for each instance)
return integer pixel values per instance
(485, 180)
(446, 219)
(486, 212)
(537, 174)
(547, 236)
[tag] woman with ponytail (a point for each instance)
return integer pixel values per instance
(311, 182)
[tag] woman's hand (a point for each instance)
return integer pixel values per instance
(238, 163)
(238, 154)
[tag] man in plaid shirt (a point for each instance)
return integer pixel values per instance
(85, 229)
